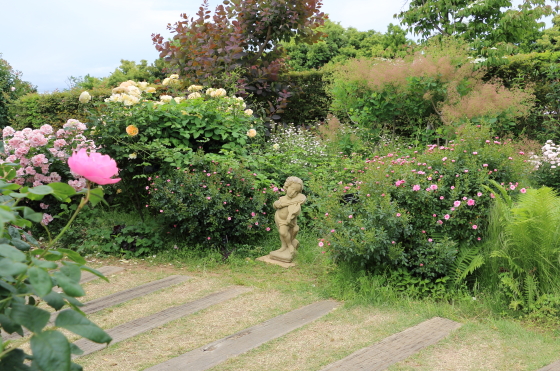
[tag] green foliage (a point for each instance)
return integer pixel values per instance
(414, 210)
(150, 134)
(11, 88)
(215, 205)
(421, 97)
(35, 110)
(29, 270)
(309, 102)
(523, 246)
(243, 35)
(128, 70)
(341, 44)
(403, 281)
(491, 21)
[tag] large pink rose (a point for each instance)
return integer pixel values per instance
(95, 167)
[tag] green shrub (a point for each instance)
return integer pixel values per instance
(522, 249)
(35, 110)
(309, 102)
(416, 210)
(424, 95)
(213, 204)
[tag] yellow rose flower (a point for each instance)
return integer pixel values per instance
(132, 130)
(251, 133)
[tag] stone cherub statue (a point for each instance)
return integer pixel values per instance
(288, 208)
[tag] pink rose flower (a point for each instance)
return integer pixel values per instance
(470, 202)
(95, 167)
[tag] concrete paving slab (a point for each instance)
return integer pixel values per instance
(106, 270)
(140, 325)
(396, 347)
(551, 367)
(214, 353)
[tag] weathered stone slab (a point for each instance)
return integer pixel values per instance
(551, 367)
(116, 298)
(106, 270)
(267, 259)
(140, 325)
(396, 347)
(214, 353)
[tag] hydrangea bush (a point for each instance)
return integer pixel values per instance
(416, 210)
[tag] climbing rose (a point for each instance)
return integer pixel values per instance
(84, 97)
(95, 167)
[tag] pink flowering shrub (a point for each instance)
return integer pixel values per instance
(42, 155)
(416, 210)
(213, 204)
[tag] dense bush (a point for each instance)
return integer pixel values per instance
(420, 96)
(309, 102)
(416, 210)
(35, 110)
(213, 204)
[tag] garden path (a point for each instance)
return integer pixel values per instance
(164, 321)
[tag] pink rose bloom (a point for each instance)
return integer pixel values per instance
(512, 187)
(433, 187)
(321, 244)
(440, 222)
(21, 151)
(95, 167)
(416, 187)
(479, 194)
(54, 177)
(15, 142)
(8, 131)
(46, 219)
(446, 217)
(474, 226)
(470, 202)
(39, 160)
(59, 143)
(37, 140)
(46, 130)
(523, 190)
(79, 184)
(30, 170)
(45, 168)
(457, 203)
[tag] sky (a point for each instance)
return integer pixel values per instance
(49, 41)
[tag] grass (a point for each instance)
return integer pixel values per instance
(486, 341)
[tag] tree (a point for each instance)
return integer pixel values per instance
(242, 38)
(341, 44)
(482, 20)
(11, 88)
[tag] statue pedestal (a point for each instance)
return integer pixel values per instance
(268, 260)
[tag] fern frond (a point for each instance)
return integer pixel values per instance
(465, 264)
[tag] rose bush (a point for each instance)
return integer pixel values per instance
(28, 271)
(416, 210)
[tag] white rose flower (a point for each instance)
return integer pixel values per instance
(151, 89)
(209, 91)
(179, 99)
(129, 100)
(276, 146)
(220, 93)
(194, 88)
(194, 95)
(165, 98)
(132, 156)
(174, 76)
(143, 85)
(166, 81)
(84, 97)
(248, 112)
(133, 90)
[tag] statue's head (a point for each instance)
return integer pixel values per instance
(294, 180)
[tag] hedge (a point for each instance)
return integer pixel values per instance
(34, 110)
